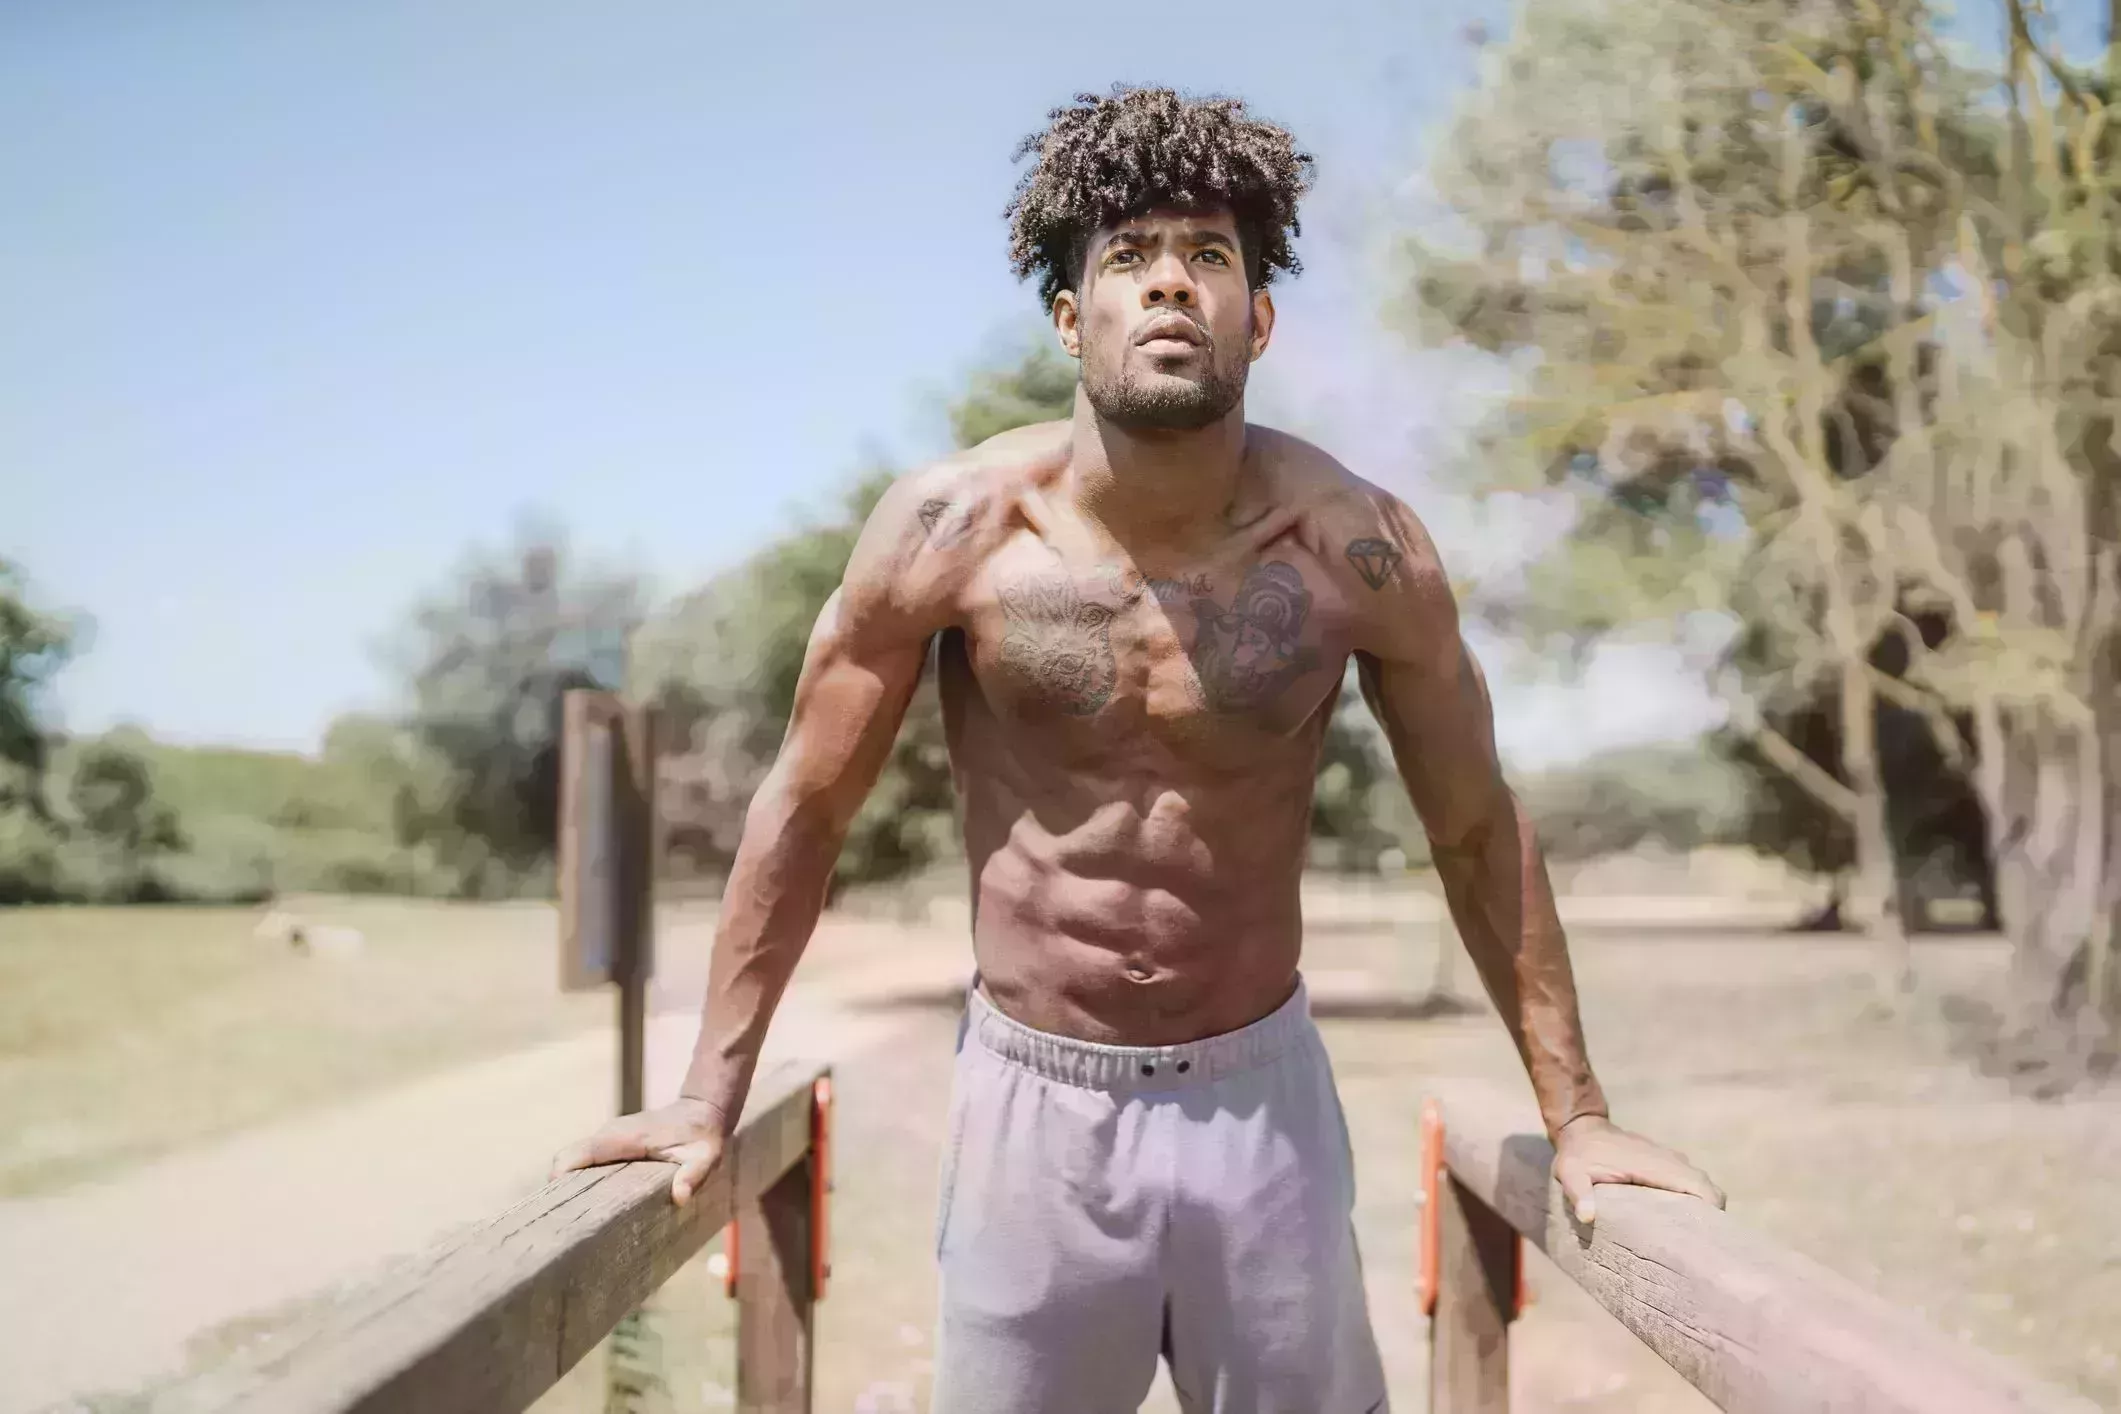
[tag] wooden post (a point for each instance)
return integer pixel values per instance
(635, 963)
(609, 843)
(775, 1295)
(1476, 1282)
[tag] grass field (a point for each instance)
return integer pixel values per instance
(127, 1032)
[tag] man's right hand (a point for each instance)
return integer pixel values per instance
(688, 1133)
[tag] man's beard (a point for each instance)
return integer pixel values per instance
(1166, 403)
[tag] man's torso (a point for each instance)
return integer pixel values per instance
(1135, 738)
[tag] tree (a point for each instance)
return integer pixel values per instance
(2026, 467)
(1038, 387)
(1934, 815)
(487, 661)
(1824, 346)
(1696, 234)
(34, 645)
(113, 796)
(1680, 797)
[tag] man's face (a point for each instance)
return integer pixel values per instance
(1165, 324)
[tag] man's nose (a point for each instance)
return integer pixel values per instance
(1170, 282)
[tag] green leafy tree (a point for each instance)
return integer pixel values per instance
(1039, 387)
(1823, 341)
(1679, 797)
(34, 645)
(487, 661)
(1676, 205)
(112, 792)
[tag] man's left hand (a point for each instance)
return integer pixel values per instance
(1592, 1149)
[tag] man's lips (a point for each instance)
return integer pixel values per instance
(1174, 327)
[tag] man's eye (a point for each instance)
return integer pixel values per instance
(1121, 255)
(1215, 255)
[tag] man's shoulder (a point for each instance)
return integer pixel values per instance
(966, 490)
(1367, 539)
(1343, 508)
(936, 523)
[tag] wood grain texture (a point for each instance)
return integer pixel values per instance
(610, 840)
(1756, 1327)
(489, 1321)
(590, 849)
(1476, 1281)
(775, 1299)
(638, 843)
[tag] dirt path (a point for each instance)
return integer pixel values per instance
(108, 1285)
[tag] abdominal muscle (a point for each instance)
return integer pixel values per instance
(1137, 913)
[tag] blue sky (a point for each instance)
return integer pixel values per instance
(301, 300)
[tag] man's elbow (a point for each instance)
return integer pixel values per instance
(787, 809)
(1470, 831)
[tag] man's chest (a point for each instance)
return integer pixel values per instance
(1212, 651)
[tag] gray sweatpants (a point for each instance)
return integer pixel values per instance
(1102, 1205)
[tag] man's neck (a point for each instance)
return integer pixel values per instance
(1156, 491)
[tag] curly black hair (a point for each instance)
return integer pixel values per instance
(1110, 156)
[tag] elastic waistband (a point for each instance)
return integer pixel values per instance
(1099, 1067)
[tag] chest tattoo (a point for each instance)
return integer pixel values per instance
(1246, 655)
(1059, 643)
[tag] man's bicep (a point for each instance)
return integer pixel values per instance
(865, 655)
(858, 676)
(1436, 714)
(1427, 690)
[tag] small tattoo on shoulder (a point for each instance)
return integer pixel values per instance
(1374, 559)
(944, 521)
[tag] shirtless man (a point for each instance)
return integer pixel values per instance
(1141, 619)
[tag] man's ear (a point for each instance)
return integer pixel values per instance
(1262, 321)
(1066, 325)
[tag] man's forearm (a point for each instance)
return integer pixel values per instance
(1503, 903)
(776, 891)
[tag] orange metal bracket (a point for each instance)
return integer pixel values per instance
(1431, 1214)
(820, 1202)
(1432, 1177)
(820, 1185)
(1521, 1297)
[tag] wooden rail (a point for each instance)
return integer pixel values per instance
(487, 1323)
(1751, 1324)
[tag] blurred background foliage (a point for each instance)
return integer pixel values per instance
(1813, 319)
(1816, 319)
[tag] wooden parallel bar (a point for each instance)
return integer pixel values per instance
(1753, 1325)
(490, 1321)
